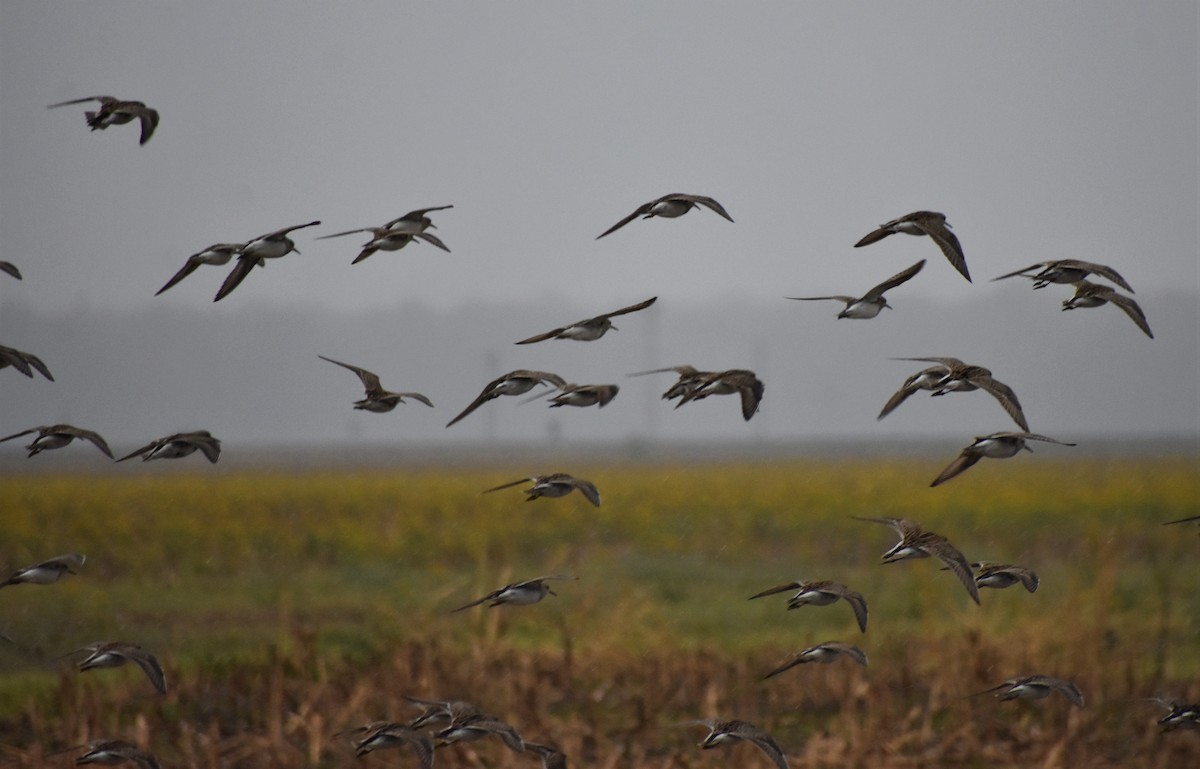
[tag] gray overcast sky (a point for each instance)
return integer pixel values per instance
(1043, 130)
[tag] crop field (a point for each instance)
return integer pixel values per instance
(286, 607)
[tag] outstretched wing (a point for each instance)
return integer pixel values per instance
(894, 281)
(962, 463)
(369, 379)
(630, 308)
(240, 270)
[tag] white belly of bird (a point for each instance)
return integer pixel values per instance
(861, 310)
(670, 208)
(267, 249)
(999, 449)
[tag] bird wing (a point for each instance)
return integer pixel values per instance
(683, 371)
(894, 281)
(750, 388)
(1022, 271)
(936, 229)
(636, 213)
(588, 489)
(149, 121)
(950, 555)
(1004, 394)
(417, 397)
(432, 239)
(856, 601)
(894, 402)
(793, 662)
(704, 200)
(151, 446)
(1028, 578)
(88, 435)
(1131, 309)
(190, 266)
(961, 464)
(487, 597)
(551, 334)
(483, 397)
(1069, 690)
(369, 379)
(627, 310)
(851, 651)
(11, 269)
(148, 663)
(347, 232)
(101, 99)
(509, 485)
(240, 270)
(844, 299)
(18, 435)
(777, 589)
(286, 230)
(1043, 438)
(767, 744)
(536, 580)
(946, 362)
(1102, 270)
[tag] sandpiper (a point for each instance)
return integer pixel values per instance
(114, 752)
(440, 713)
(825, 653)
(580, 395)
(114, 111)
(1182, 715)
(669, 206)
(553, 485)
(728, 732)
(57, 436)
(378, 400)
(415, 221)
(1035, 688)
(821, 593)
(11, 269)
(179, 445)
(111, 654)
(589, 329)
(382, 736)
(871, 303)
(732, 381)
(689, 378)
(48, 571)
(384, 239)
(25, 362)
(957, 376)
(270, 246)
(1067, 271)
(480, 725)
(929, 223)
(516, 382)
(995, 446)
(522, 593)
(1094, 295)
(217, 254)
(915, 542)
(1002, 575)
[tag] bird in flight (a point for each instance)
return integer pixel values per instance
(824, 653)
(217, 254)
(113, 111)
(57, 436)
(179, 445)
(270, 246)
(522, 593)
(871, 303)
(821, 593)
(553, 485)
(1067, 271)
(995, 446)
(953, 375)
(377, 400)
(915, 542)
(1035, 688)
(589, 329)
(1094, 295)
(516, 382)
(929, 223)
(669, 207)
(48, 571)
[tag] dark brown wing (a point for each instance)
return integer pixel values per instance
(946, 240)
(961, 464)
(510, 484)
(431, 239)
(18, 435)
(636, 213)
(87, 435)
(240, 270)
(1102, 270)
(1005, 395)
(629, 309)
(588, 489)
(286, 230)
(149, 121)
(551, 334)
(894, 281)
(11, 269)
(950, 555)
(101, 99)
(151, 446)
(1022, 272)
(370, 380)
(190, 266)
(703, 200)
(1131, 308)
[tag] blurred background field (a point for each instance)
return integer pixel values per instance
(288, 604)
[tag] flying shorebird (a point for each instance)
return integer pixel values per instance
(580, 395)
(1035, 688)
(57, 436)
(589, 329)
(728, 732)
(929, 223)
(1182, 715)
(480, 725)
(516, 382)
(553, 485)
(179, 445)
(668, 206)
(995, 446)
(518, 593)
(48, 571)
(270, 246)
(953, 375)
(1094, 295)
(415, 221)
(384, 735)
(732, 381)
(827, 652)
(1067, 271)
(116, 112)
(114, 752)
(1189, 519)
(871, 303)
(111, 654)
(821, 593)
(11, 269)
(1002, 575)
(25, 362)
(217, 254)
(915, 542)
(384, 239)
(378, 400)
